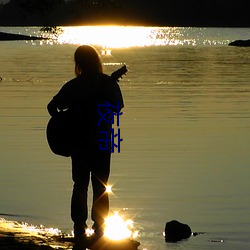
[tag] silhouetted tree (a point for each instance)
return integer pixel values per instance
(31, 12)
(40, 6)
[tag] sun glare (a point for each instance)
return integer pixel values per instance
(110, 37)
(106, 36)
(117, 228)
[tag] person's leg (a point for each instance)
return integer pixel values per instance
(79, 207)
(99, 178)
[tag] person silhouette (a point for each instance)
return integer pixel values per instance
(80, 96)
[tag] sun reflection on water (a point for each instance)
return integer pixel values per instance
(107, 36)
(116, 228)
(128, 36)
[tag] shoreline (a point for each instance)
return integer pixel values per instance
(18, 235)
(15, 235)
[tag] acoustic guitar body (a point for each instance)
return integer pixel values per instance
(59, 133)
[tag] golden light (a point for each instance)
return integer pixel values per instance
(116, 228)
(27, 229)
(107, 36)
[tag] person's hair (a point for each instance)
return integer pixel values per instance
(87, 60)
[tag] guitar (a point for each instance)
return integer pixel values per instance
(119, 73)
(60, 127)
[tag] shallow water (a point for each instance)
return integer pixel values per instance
(185, 153)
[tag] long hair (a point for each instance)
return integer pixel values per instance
(87, 60)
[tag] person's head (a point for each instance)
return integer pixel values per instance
(87, 60)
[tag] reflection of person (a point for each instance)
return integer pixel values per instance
(81, 96)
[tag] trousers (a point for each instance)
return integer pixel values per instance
(86, 165)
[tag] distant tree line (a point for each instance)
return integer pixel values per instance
(126, 12)
(61, 12)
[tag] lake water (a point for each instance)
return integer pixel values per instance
(185, 129)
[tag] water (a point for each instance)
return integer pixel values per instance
(185, 153)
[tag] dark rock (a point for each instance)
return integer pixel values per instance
(104, 244)
(14, 37)
(240, 43)
(176, 231)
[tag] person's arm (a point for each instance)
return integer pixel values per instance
(114, 94)
(61, 100)
(52, 108)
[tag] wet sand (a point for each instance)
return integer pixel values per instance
(11, 241)
(15, 235)
(8, 241)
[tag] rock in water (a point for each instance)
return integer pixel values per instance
(176, 231)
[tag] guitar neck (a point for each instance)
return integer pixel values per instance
(119, 73)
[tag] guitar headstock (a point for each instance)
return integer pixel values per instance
(119, 73)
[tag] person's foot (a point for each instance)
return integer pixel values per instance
(80, 237)
(80, 230)
(98, 233)
(81, 242)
